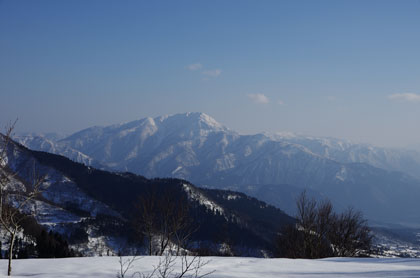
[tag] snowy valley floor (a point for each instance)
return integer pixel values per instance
(225, 267)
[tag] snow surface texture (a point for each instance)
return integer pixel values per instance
(101, 267)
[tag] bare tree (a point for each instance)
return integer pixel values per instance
(169, 266)
(323, 229)
(307, 216)
(191, 266)
(13, 199)
(319, 232)
(164, 219)
(350, 235)
(147, 210)
(289, 243)
(128, 264)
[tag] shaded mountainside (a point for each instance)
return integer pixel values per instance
(247, 220)
(91, 205)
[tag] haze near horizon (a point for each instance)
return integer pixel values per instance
(342, 69)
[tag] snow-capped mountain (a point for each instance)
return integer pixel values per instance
(148, 146)
(195, 147)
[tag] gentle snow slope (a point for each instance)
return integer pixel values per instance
(102, 267)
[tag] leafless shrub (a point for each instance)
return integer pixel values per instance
(319, 232)
(350, 236)
(190, 267)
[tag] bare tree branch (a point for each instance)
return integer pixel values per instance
(320, 232)
(14, 200)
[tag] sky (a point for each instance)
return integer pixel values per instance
(345, 69)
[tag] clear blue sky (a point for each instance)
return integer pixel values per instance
(348, 69)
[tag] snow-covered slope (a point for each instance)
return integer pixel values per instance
(159, 147)
(104, 267)
(57, 188)
(49, 143)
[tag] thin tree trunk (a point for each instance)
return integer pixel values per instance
(12, 242)
(150, 244)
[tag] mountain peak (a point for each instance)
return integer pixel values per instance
(203, 117)
(203, 120)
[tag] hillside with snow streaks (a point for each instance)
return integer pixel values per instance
(62, 206)
(57, 188)
(194, 194)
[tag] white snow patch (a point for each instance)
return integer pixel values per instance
(232, 197)
(176, 170)
(342, 175)
(248, 151)
(195, 195)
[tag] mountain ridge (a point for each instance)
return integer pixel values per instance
(193, 146)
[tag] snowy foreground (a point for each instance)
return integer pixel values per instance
(225, 267)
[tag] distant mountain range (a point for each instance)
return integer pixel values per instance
(344, 151)
(95, 209)
(383, 183)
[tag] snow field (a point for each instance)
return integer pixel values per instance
(225, 267)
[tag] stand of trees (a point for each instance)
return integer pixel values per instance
(320, 232)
